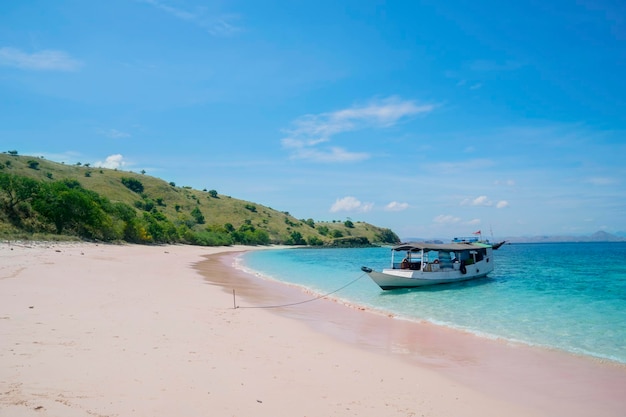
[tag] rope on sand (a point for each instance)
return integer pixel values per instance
(300, 302)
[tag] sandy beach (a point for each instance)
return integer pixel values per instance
(106, 330)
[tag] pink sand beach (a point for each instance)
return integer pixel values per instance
(106, 330)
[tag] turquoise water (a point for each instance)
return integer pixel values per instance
(569, 296)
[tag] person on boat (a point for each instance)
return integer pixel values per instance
(445, 258)
(405, 264)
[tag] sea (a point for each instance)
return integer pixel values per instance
(564, 296)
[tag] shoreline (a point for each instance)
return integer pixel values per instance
(238, 264)
(535, 375)
(129, 330)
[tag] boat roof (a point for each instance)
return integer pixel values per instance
(418, 246)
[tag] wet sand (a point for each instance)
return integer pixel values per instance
(548, 381)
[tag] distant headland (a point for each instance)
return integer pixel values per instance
(599, 236)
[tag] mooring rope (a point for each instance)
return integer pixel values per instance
(301, 302)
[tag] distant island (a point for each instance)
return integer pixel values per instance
(600, 236)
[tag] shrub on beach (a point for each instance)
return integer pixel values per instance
(208, 238)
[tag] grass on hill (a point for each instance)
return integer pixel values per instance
(193, 213)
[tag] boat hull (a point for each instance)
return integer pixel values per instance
(391, 279)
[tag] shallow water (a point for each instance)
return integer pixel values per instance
(569, 296)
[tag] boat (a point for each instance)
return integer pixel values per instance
(497, 245)
(418, 264)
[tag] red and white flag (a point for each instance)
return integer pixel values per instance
(477, 233)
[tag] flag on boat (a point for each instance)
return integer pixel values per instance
(477, 233)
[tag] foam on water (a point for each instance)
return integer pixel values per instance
(569, 296)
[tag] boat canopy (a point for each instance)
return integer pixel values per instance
(426, 247)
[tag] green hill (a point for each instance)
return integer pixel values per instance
(40, 196)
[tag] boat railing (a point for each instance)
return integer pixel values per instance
(470, 239)
(429, 266)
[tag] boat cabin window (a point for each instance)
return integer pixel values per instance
(407, 260)
(417, 259)
(473, 256)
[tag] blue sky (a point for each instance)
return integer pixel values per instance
(432, 118)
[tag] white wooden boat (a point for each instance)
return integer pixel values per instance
(418, 264)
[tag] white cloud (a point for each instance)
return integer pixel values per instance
(46, 60)
(478, 201)
(220, 25)
(483, 201)
(223, 25)
(474, 222)
(382, 113)
(112, 161)
(114, 133)
(333, 154)
(446, 219)
(301, 143)
(350, 204)
(396, 206)
(179, 13)
(378, 113)
(309, 131)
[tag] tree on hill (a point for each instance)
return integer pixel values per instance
(323, 230)
(295, 238)
(197, 214)
(247, 234)
(133, 184)
(15, 190)
(74, 208)
(336, 233)
(388, 236)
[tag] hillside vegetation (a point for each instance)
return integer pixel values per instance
(44, 198)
